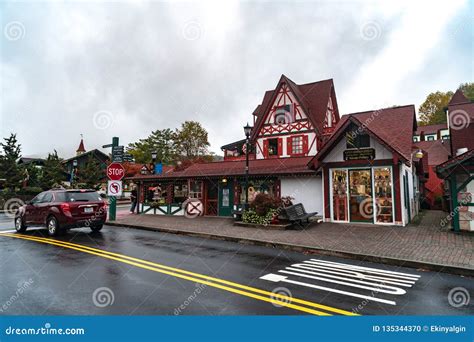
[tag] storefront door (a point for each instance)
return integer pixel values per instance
(361, 207)
(226, 198)
(211, 198)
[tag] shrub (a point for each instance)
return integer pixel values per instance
(263, 203)
(250, 216)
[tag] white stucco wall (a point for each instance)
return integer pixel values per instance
(307, 190)
(337, 153)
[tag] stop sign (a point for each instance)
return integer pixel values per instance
(115, 171)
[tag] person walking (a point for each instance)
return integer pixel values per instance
(133, 198)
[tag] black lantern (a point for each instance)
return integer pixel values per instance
(247, 130)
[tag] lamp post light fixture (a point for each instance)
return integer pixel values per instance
(153, 161)
(73, 170)
(247, 131)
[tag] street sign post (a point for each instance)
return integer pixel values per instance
(115, 172)
(117, 154)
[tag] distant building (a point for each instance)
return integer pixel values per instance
(81, 158)
(38, 162)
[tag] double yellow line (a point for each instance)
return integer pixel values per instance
(244, 290)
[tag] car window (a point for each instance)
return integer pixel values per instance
(79, 196)
(38, 198)
(48, 197)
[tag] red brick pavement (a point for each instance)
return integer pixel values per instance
(424, 243)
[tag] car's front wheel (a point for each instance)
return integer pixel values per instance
(53, 226)
(19, 225)
(96, 227)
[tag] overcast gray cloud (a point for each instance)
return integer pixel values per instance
(126, 68)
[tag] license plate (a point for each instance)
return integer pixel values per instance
(88, 210)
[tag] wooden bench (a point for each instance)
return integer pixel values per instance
(297, 214)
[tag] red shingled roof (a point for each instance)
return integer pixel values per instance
(458, 98)
(392, 127)
(431, 129)
(313, 98)
(294, 165)
(438, 150)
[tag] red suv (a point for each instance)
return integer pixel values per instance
(59, 210)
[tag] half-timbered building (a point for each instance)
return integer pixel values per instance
(300, 147)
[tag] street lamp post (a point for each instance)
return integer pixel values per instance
(247, 130)
(73, 171)
(153, 161)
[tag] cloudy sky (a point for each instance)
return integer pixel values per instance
(105, 69)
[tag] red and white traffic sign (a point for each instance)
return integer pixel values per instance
(115, 171)
(114, 188)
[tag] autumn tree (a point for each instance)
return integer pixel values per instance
(163, 142)
(468, 90)
(432, 110)
(192, 140)
(10, 171)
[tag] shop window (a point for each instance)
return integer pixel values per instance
(357, 140)
(339, 195)
(180, 193)
(195, 189)
(360, 196)
(383, 194)
(297, 145)
(272, 147)
(257, 187)
(156, 194)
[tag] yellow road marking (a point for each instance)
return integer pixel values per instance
(183, 274)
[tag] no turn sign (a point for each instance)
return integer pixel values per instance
(114, 188)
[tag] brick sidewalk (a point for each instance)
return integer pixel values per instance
(414, 245)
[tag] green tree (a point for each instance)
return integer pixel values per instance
(34, 175)
(192, 140)
(163, 142)
(468, 90)
(10, 171)
(53, 172)
(432, 110)
(90, 174)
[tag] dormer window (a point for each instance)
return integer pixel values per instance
(284, 115)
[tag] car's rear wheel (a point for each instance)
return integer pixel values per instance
(19, 225)
(96, 227)
(53, 226)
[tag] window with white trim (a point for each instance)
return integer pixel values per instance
(297, 145)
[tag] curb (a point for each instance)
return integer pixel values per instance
(312, 250)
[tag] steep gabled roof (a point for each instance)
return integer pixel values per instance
(458, 98)
(392, 127)
(81, 147)
(438, 151)
(312, 97)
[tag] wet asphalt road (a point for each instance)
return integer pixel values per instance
(56, 280)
